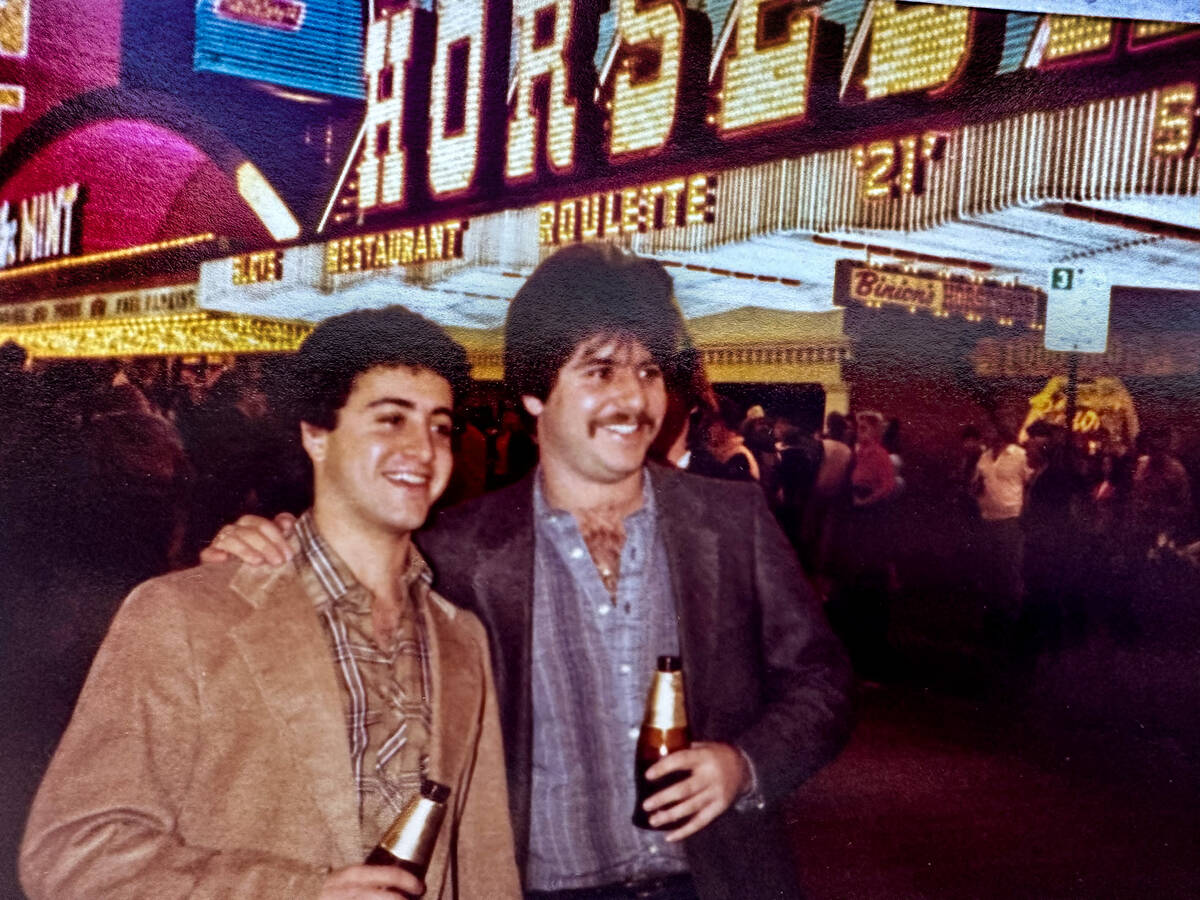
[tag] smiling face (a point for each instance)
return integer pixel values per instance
(602, 413)
(389, 456)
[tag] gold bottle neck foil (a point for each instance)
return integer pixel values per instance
(412, 836)
(664, 706)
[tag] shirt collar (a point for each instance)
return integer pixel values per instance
(544, 512)
(337, 584)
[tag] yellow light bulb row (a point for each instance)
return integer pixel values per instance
(1073, 35)
(769, 84)
(643, 113)
(915, 49)
(197, 332)
(108, 255)
(1145, 30)
(1174, 120)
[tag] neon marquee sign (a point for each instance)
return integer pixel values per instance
(437, 129)
(43, 226)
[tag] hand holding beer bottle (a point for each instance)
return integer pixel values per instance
(408, 844)
(664, 730)
(681, 786)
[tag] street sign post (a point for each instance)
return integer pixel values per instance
(1077, 303)
(1077, 306)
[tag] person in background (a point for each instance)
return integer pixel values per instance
(859, 608)
(1161, 492)
(1001, 476)
(597, 563)
(252, 732)
(891, 443)
(830, 500)
(1052, 565)
(689, 397)
(759, 433)
(718, 449)
(800, 459)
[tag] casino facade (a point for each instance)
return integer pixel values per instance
(866, 201)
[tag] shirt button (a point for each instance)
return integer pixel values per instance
(653, 848)
(604, 609)
(634, 732)
(577, 553)
(626, 668)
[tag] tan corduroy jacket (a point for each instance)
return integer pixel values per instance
(208, 755)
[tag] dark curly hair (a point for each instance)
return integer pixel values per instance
(582, 291)
(341, 348)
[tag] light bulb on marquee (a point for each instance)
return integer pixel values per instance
(381, 170)
(766, 83)
(539, 57)
(643, 107)
(457, 66)
(1075, 35)
(915, 49)
(1174, 120)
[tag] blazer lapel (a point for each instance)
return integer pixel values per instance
(452, 710)
(289, 659)
(692, 550)
(503, 588)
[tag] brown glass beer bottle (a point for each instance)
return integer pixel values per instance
(664, 730)
(408, 843)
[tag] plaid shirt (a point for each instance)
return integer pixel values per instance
(385, 688)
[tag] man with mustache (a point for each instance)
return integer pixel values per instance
(596, 564)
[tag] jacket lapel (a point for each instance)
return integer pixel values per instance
(692, 551)
(453, 710)
(289, 659)
(503, 586)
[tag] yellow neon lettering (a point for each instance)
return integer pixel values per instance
(643, 105)
(915, 49)
(629, 211)
(381, 170)
(453, 158)
(1174, 120)
(591, 216)
(566, 222)
(533, 63)
(697, 200)
(766, 82)
(546, 232)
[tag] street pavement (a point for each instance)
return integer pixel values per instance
(996, 796)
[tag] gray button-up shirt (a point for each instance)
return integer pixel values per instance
(593, 660)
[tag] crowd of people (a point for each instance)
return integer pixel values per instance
(1063, 536)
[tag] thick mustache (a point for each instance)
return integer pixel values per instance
(641, 419)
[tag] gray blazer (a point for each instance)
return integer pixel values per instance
(762, 667)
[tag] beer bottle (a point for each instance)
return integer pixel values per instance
(664, 730)
(408, 843)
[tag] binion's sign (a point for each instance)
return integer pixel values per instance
(672, 84)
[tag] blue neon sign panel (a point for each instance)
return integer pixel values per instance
(310, 45)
